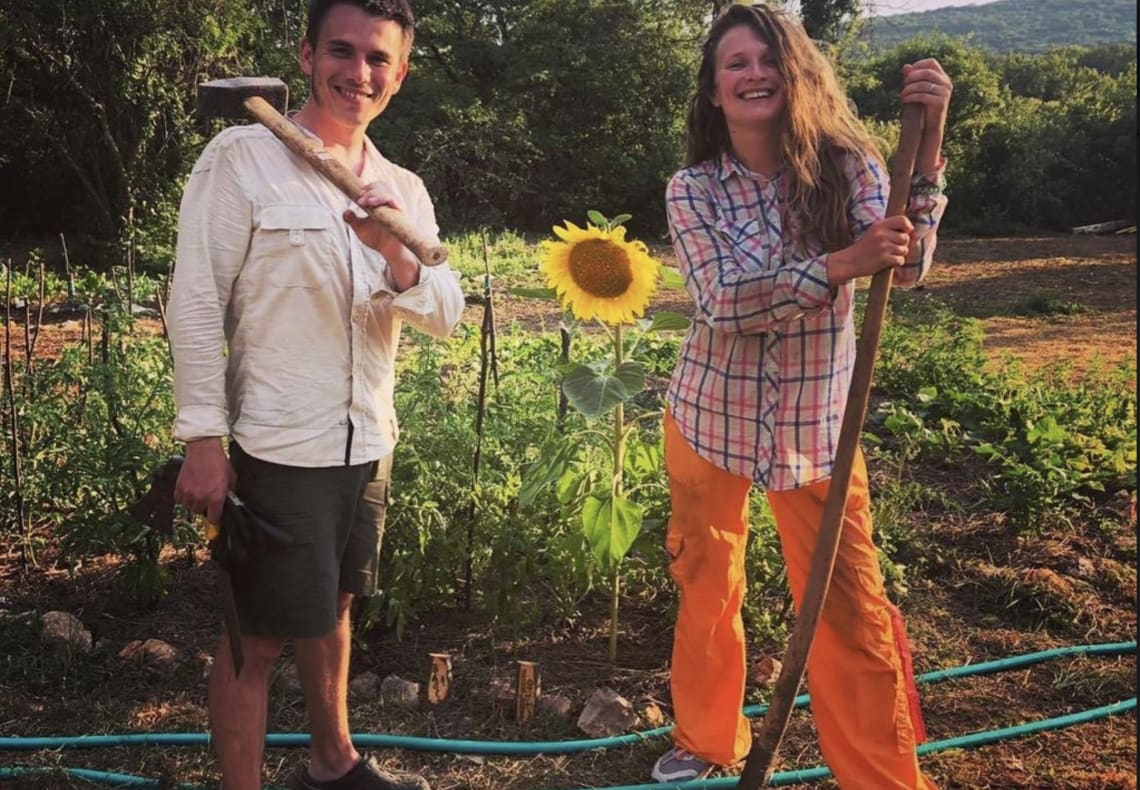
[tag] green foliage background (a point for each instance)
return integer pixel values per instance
(93, 423)
(519, 113)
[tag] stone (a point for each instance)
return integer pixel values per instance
(765, 671)
(65, 632)
(288, 680)
(397, 691)
(1086, 569)
(153, 654)
(366, 685)
(502, 696)
(652, 715)
(607, 713)
(555, 705)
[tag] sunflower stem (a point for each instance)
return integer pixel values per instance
(615, 590)
(616, 490)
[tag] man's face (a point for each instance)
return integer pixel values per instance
(356, 67)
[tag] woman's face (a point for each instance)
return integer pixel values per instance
(749, 88)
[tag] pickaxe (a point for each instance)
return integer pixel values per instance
(241, 532)
(264, 99)
(758, 767)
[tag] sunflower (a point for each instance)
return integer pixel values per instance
(598, 274)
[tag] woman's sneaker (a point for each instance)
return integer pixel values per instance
(678, 765)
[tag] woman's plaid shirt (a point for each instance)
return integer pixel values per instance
(763, 374)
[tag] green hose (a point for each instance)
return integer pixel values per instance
(567, 747)
(806, 775)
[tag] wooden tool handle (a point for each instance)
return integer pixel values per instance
(430, 254)
(758, 766)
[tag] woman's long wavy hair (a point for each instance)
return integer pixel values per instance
(820, 127)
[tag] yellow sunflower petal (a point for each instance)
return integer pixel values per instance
(598, 274)
(568, 232)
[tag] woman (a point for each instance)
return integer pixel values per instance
(777, 213)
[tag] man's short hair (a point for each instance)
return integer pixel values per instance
(399, 11)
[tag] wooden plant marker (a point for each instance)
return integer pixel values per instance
(526, 691)
(439, 682)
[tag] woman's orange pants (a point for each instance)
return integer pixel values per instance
(858, 670)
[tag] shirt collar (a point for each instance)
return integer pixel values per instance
(730, 166)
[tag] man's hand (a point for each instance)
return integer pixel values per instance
(885, 244)
(205, 478)
(403, 266)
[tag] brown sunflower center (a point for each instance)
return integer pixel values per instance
(601, 268)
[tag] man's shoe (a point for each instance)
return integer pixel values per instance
(678, 765)
(365, 775)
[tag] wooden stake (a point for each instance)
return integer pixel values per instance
(526, 691)
(439, 684)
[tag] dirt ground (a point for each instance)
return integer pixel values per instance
(1093, 275)
(984, 594)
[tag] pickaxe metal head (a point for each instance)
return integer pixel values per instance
(155, 508)
(263, 99)
(226, 98)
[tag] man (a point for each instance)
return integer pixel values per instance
(284, 327)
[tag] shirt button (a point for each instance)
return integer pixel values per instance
(360, 314)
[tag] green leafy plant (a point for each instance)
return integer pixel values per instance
(598, 275)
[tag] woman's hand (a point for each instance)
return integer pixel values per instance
(925, 83)
(885, 244)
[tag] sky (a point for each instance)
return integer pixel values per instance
(888, 7)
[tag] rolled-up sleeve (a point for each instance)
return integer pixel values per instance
(925, 204)
(738, 275)
(213, 237)
(435, 304)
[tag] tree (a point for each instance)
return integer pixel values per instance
(99, 111)
(829, 20)
(526, 112)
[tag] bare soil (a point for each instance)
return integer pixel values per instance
(984, 593)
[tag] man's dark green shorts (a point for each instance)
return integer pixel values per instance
(335, 516)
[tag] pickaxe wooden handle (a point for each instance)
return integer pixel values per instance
(758, 766)
(223, 97)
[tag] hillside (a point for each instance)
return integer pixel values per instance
(1015, 25)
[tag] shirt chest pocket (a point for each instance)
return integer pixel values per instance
(750, 243)
(296, 245)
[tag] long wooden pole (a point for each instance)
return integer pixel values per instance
(758, 766)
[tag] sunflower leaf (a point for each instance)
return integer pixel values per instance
(671, 279)
(611, 525)
(595, 393)
(632, 375)
(666, 321)
(620, 219)
(598, 218)
(535, 293)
